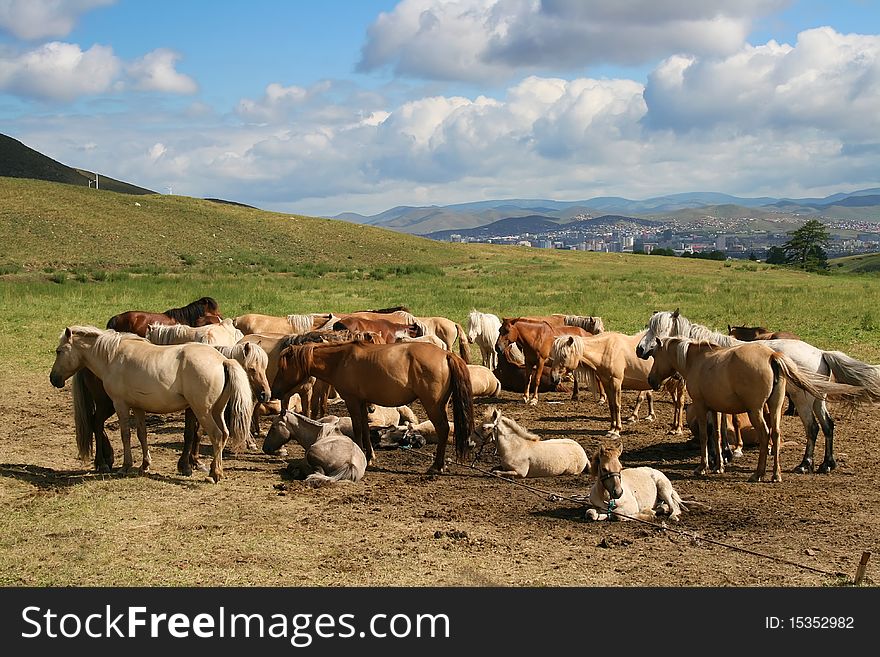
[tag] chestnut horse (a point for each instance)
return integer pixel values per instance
(751, 333)
(535, 339)
(389, 330)
(388, 375)
(196, 313)
(742, 378)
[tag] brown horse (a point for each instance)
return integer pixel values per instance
(196, 313)
(612, 356)
(388, 375)
(743, 378)
(389, 330)
(751, 333)
(535, 339)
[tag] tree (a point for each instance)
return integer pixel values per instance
(775, 256)
(806, 248)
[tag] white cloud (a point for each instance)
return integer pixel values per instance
(39, 19)
(157, 150)
(495, 39)
(59, 71)
(64, 72)
(155, 72)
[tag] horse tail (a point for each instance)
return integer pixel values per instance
(239, 405)
(83, 416)
(348, 473)
(819, 386)
(462, 342)
(846, 369)
(462, 402)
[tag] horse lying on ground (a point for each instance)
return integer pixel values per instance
(524, 454)
(751, 333)
(483, 382)
(330, 455)
(620, 493)
(196, 313)
(411, 434)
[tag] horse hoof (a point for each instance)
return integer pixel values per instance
(434, 470)
(775, 479)
(826, 467)
(701, 471)
(804, 468)
(533, 401)
(737, 453)
(650, 418)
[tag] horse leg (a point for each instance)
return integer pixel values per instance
(614, 401)
(218, 435)
(634, 416)
(437, 415)
(702, 423)
(123, 412)
(804, 404)
(575, 391)
(757, 418)
(775, 403)
(357, 409)
(716, 441)
(140, 417)
(820, 410)
(103, 449)
(651, 416)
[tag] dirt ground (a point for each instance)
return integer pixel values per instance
(69, 526)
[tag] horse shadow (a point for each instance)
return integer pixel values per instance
(49, 479)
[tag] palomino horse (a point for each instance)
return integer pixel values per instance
(536, 341)
(448, 331)
(222, 334)
(141, 377)
(482, 330)
(484, 383)
(742, 378)
(196, 313)
(810, 408)
(389, 375)
(288, 325)
(612, 357)
(626, 493)
(524, 454)
(751, 333)
(330, 455)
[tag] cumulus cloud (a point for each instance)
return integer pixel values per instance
(493, 39)
(155, 72)
(39, 19)
(59, 71)
(63, 72)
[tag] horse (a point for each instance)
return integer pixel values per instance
(254, 359)
(742, 378)
(810, 408)
(591, 324)
(483, 382)
(411, 434)
(523, 454)
(222, 334)
(433, 339)
(389, 330)
(611, 356)
(535, 340)
(620, 493)
(196, 313)
(448, 331)
(289, 324)
(390, 375)
(141, 377)
(511, 372)
(331, 455)
(482, 330)
(750, 333)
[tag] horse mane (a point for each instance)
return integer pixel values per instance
(520, 431)
(592, 324)
(385, 311)
(255, 355)
(675, 325)
(108, 342)
(193, 310)
(300, 323)
(169, 333)
(564, 350)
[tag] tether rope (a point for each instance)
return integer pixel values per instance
(554, 497)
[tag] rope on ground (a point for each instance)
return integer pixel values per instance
(581, 499)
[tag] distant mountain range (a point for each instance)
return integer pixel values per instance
(511, 216)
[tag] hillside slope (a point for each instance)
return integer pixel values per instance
(20, 161)
(50, 225)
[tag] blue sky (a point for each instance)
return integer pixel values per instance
(325, 107)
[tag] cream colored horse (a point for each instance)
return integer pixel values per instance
(483, 382)
(141, 377)
(448, 331)
(222, 334)
(625, 493)
(290, 324)
(612, 356)
(331, 455)
(524, 454)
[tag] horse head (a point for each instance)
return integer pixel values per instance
(605, 466)
(68, 359)
(485, 433)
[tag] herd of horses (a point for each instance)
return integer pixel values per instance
(223, 372)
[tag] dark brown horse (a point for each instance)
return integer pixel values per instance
(197, 313)
(388, 375)
(535, 339)
(750, 333)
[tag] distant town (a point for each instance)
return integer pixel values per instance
(733, 237)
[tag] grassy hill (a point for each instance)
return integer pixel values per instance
(20, 161)
(47, 225)
(856, 264)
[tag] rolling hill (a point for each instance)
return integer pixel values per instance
(20, 161)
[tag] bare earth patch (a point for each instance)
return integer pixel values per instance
(66, 526)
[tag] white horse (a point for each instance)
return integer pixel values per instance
(482, 329)
(330, 454)
(483, 382)
(625, 493)
(222, 334)
(524, 454)
(834, 365)
(140, 377)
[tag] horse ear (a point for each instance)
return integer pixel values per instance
(496, 415)
(570, 340)
(67, 333)
(248, 348)
(675, 314)
(594, 465)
